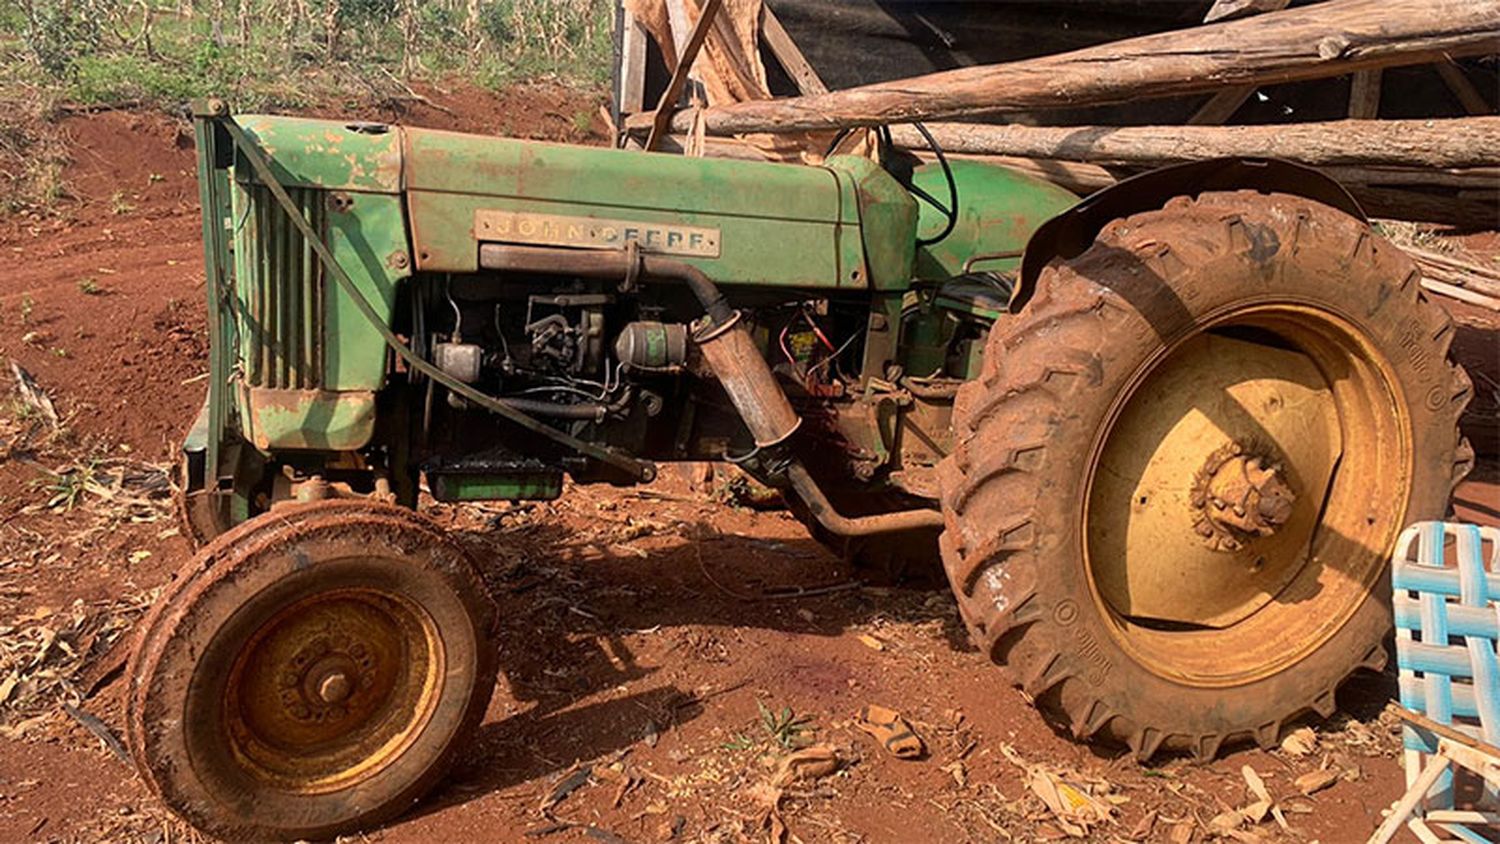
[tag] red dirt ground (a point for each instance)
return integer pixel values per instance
(620, 648)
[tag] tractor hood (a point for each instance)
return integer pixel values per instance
(846, 225)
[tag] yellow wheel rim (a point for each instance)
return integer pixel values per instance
(1244, 494)
(332, 689)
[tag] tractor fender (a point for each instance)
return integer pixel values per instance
(1068, 234)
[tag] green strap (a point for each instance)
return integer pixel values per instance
(642, 469)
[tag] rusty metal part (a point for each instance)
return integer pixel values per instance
(821, 509)
(310, 672)
(762, 404)
(1239, 496)
(333, 688)
(731, 354)
(606, 264)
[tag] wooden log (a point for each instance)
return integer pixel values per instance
(1455, 142)
(1327, 39)
(1424, 207)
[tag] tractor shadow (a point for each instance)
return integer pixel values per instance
(579, 605)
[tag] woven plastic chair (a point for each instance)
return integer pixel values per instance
(1446, 580)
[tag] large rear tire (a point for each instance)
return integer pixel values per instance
(312, 672)
(1185, 463)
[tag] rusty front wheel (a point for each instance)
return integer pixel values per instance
(311, 673)
(1186, 461)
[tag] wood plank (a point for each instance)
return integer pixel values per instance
(788, 55)
(662, 117)
(1333, 38)
(1468, 95)
(633, 54)
(1364, 95)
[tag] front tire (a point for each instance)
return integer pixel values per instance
(1185, 463)
(312, 672)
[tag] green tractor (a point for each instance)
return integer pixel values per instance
(1163, 439)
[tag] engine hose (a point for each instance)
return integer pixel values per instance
(591, 411)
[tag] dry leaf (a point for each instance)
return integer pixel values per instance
(956, 770)
(1142, 830)
(1225, 822)
(1299, 742)
(1073, 807)
(1315, 781)
(1257, 811)
(806, 765)
(1257, 785)
(1181, 833)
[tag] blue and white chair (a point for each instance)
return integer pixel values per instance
(1446, 580)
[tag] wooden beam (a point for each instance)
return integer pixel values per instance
(662, 117)
(1468, 95)
(632, 66)
(1446, 143)
(1333, 38)
(1364, 95)
(1222, 106)
(785, 50)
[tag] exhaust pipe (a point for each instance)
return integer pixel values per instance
(731, 353)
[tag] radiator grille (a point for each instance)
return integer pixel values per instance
(284, 293)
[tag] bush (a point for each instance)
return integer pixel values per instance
(59, 33)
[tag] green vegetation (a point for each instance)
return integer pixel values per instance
(288, 53)
(784, 730)
(264, 55)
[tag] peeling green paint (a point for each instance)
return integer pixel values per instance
(307, 419)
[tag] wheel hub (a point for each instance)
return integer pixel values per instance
(1239, 496)
(327, 690)
(324, 674)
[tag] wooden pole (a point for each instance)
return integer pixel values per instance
(1333, 38)
(1445, 143)
(786, 52)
